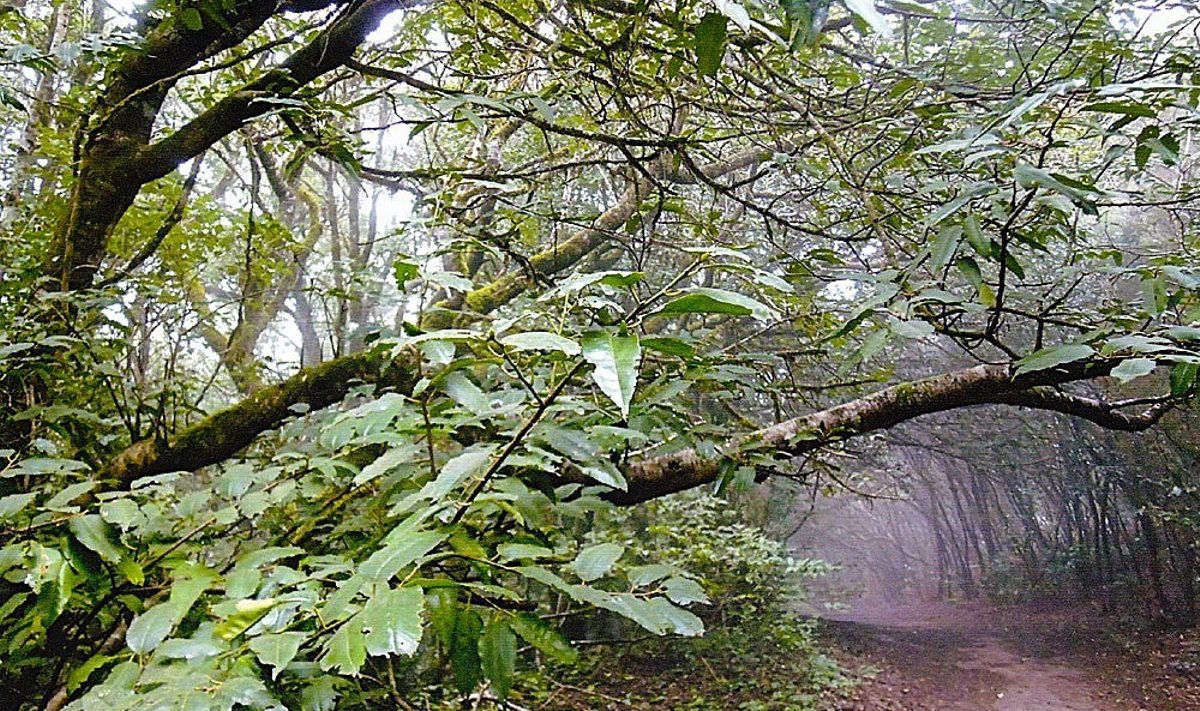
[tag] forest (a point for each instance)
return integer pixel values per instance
(574, 354)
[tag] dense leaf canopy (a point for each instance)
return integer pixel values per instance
(327, 328)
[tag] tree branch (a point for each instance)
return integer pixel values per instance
(223, 434)
(981, 385)
(331, 49)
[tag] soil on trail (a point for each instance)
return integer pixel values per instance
(945, 657)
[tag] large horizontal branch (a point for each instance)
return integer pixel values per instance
(220, 436)
(981, 385)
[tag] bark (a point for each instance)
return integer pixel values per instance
(981, 385)
(118, 157)
(221, 435)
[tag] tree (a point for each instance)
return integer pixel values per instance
(732, 208)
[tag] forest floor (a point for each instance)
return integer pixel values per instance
(976, 657)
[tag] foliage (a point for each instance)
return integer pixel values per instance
(557, 258)
(746, 574)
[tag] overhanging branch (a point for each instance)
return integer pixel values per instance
(981, 385)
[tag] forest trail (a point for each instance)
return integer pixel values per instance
(945, 657)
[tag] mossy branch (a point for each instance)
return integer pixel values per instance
(981, 385)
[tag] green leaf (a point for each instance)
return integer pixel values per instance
(943, 246)
(1052, 357)
(189, 649)
(703, 300)
(865, 9)
(498, 656)
(123, 513)
(392, 619)
(277, 650)
(540, 341)
(521, 551)
(464, 649)
(150, 628)
(546, 639)
(386, 462)
(12, 504)
(1183, 378)
(646, 574)
(346, 651)
(577, 282)
(59, 501)
(911, 329)
(80, 674)
(1183, 333)
(669, 346)
(466, 393)
(245, 614)
(1125, 108)
(96, 535)
(615, 361)
(465, 464)
(1133, 368)
(190, 17)
(981, 244)
(710, 36)
(596, 561)
(387, 561)
(684, 590)
(674, 619)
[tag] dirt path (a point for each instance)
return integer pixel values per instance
(943, 657)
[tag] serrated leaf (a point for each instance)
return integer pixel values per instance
(540, 341)
(615, 361)
(277, 650)
(498, 656)
(684, 591)
(1053, 357)
(12, 504)
(150, 628)
(346, 651)
(92, 531)
(546, 639)
(465, 464)
(392, 620)
(596, 561)
(387, 561)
